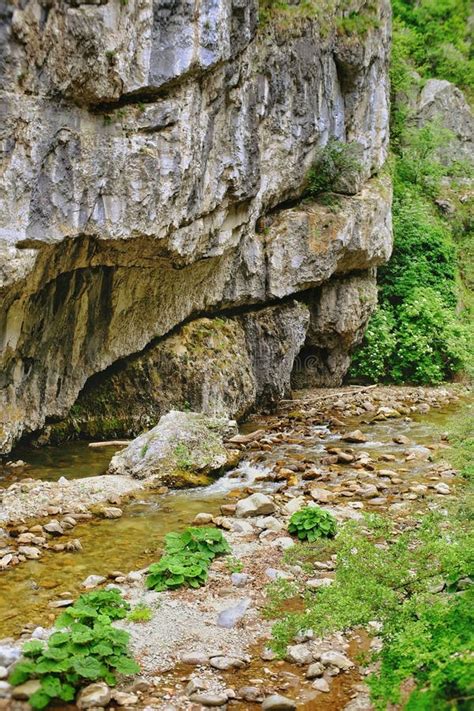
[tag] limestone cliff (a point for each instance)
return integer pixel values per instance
(154, 155)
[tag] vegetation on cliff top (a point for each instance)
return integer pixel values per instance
(422, 329)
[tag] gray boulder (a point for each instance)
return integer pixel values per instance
(182, 449)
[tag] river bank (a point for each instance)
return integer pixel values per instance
(351, 451)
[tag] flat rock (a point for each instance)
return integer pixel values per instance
(299, 654)
(276, 702)
(24, 691)
(209, 698)
(195, 658)
(93, 695)
(92, 581)
(336, 659)
(321, 685)
(254, 505)
(355, 436)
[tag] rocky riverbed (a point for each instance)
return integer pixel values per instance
(350, 451)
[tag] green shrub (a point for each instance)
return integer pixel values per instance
(203, 539)
(337, 164)
(311, 523)
(177, 569)
(86, 648)
(371, 362)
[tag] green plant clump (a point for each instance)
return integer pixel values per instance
(205, 540)
(140, 613)
(312, 523)
(85, 648)
(187, 558)
(177, 569)
(337, 162)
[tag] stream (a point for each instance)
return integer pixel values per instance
(29, 592)
(134, 540)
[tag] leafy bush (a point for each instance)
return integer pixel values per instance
(371, 362)
(86, 649)
(187, 558)
(205, 540)
(98, 606)
(177, 569)
(336, 166)
(311, 523)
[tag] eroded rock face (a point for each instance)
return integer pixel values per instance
(181, 449)
(220, 366)
(142, 143)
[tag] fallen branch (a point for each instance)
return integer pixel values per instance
(340, 393)
(110, 443)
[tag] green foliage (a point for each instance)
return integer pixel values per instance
(336, 162)
(422, 330)
(434, 36)
(177, 569)
(372, 361)
(103, 606)
(205, 540)
(140, 613)
(433, 646)
(234, 565)
(461, 440)
(183, 457)
(86, 648)
(311, 523)
(393, 582)
(187, 558)
(277, 594)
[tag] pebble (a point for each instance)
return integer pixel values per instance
(254, 505)
(356, 436)
(24, 691)
(321, 495)
(202, 519)
(321, 685)
(92, 581)
(209, 698)
(283, 543)
(5, 689)
(224, 663)
(8, 655)
(294, 505)
(239, 580)
(276, 702)
(3, 672)
(442, 488)
(124, 698)
(94, 695)
(232, 615)
(195, 658)
(250, 693)
(111, 512)
(336, 659)
(314, 670)
(54, 528)
(299, 654)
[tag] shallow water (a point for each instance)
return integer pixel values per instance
(72, 460)
(133, 541)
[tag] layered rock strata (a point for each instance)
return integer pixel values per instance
(153, 156)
